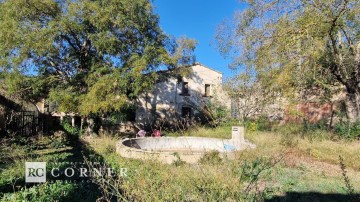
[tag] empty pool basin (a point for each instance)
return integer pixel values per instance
(188, 149)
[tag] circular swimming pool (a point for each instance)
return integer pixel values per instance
(188, 149)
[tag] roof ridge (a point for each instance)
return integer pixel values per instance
(198, 63)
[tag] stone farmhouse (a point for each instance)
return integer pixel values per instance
(179, 98)
(172, 99)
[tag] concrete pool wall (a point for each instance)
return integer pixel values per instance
(188, 149)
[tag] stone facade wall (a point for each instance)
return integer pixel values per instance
(168, 99)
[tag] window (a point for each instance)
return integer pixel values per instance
(185, 88)
(186, 112)
(207, 90)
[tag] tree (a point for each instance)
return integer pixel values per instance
(90, 56)
(294, 45)
(249, 98)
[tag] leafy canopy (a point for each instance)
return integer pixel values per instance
(90, 56)
(296, 44)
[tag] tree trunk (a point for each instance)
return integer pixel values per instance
(352, 103)
(90, 125)
(82, 123)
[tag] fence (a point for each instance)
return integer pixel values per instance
(25, 123)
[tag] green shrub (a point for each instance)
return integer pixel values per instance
(250, 126)
(126, 113)
(312, 131)
(347, 130)
(262, 123)
(212, 157)
(321, 125)
(252, 173)
(178, 161)
(69, 128)
(213, 114)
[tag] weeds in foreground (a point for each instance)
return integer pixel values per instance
(178, 161)
(251, 172)
(212, 158)
(214, 179)
(349, 187)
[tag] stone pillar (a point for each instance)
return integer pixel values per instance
(237, 135)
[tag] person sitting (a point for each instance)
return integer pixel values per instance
(141, 133)
(156, 133)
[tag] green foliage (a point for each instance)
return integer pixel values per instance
(126, 113)
(212, 158)
(312, 131)
(321, 125)
(347, 130)
(250, 171)
(72, 130)
(292, 46)
(45, 192)
(264, 124)
(89, 57)
(178, 161)
(250, 126)
(261, 123)
(249, 177)
(67, 98)
(348, 185)
(213, 114)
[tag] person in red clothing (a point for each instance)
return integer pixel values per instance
(156, 133)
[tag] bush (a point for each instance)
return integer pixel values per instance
(213, 114)
(126, 113)
(69, 128)
(348, 130)
(309, 127)
(262, 123)
(289, 131)
(178, 161)
(212, 158)
(250, 126)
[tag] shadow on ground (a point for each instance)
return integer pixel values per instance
(315, 197)
(76, 150)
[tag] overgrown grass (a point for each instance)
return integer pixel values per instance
(320, 150)
(212, 180)
(305, 165)
(316, 144)
(14, 154)
(218, 132)
(308, 166)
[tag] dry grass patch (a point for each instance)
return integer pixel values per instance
(306, 166)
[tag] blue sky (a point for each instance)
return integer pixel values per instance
(198, 19)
